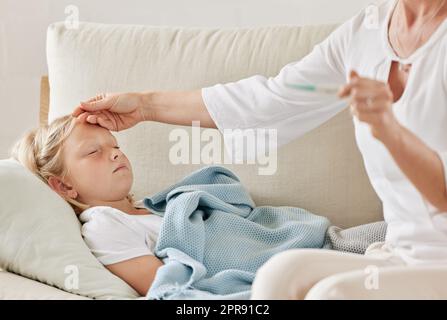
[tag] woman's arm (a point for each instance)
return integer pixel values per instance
(138, 272)
(121, 111)
(254, 102)
(179, 108)
(419, 163)
(371, 102)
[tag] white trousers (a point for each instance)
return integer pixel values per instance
(329, 274)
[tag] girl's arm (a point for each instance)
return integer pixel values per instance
(138, 272)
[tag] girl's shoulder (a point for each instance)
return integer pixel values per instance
(100, 212)
(106, 224)
(104, 219)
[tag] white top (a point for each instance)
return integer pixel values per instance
(114, 236)
(259, 102)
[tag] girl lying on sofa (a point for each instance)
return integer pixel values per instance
(202, 237)
(212, 240)
(83, 163)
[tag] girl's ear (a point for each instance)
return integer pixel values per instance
(61, 188)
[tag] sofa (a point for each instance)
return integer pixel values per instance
(322, 171)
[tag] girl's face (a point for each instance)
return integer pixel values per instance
(97, 170)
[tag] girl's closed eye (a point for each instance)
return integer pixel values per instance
(94, 151)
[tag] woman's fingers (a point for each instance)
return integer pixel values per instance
(345, 91)
(100, 102)
(353, 74)
(77, 111)
(98, 118)
(371, 106)
(82, 117)
(354, 81)
(368, 91)
(93, 119)
(97, 98)
(348, 89)
(106, 123)
(370, 101)
(93, 106)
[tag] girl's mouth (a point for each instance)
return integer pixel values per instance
(120, 167)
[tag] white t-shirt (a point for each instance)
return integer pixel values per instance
(416, 233)
(114, 236)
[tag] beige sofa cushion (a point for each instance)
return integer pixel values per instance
(322, 172)
(15, 287)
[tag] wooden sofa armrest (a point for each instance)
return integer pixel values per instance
(44, 100)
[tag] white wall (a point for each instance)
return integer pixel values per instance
(23, 26)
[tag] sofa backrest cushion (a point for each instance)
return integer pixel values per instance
(322, 172)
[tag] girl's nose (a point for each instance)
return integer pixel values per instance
(115, 154)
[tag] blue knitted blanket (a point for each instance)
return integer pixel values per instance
(213, 238)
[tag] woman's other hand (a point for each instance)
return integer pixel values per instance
(371, 102)
(113, 111)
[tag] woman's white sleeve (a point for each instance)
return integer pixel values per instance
(261, 102)
(111, 240)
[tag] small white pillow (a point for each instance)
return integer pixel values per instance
(40, 238)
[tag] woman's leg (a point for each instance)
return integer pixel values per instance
(291, 274)
(401, 282)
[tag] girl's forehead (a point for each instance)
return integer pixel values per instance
(88, 129)
(84, 132)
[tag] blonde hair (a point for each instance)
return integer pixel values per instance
(40, 151)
